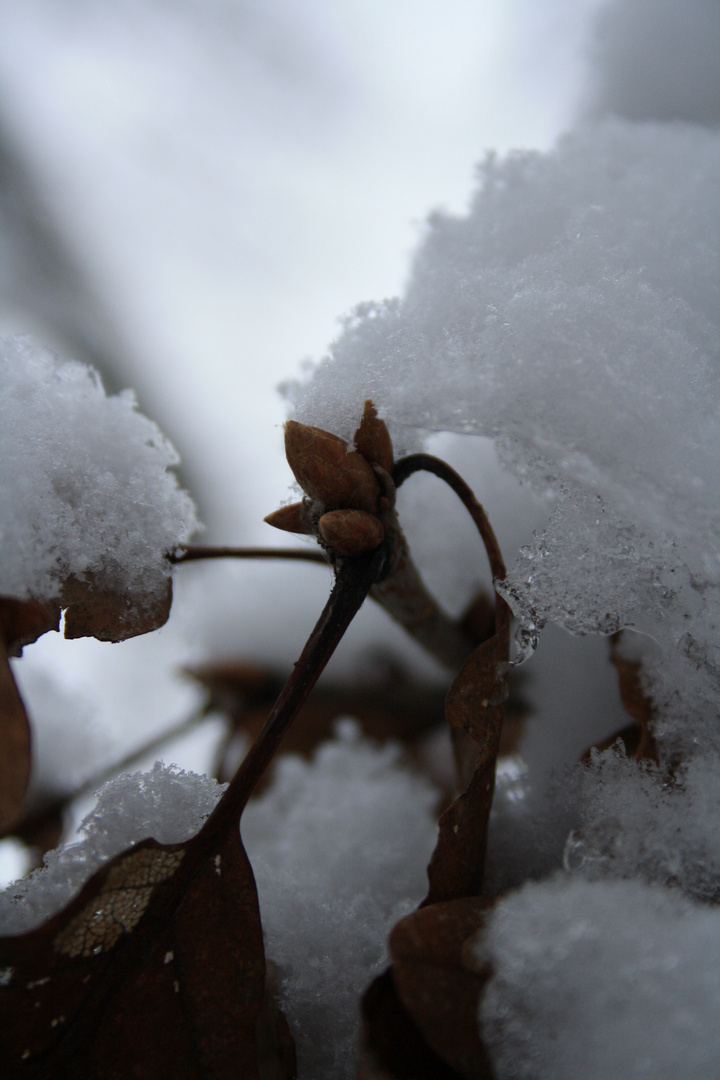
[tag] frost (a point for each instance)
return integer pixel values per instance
(603, 979)
(572, 315)
(166, 803)
(330, 890)
(84, 486)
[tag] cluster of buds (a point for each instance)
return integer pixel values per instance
(349, 494)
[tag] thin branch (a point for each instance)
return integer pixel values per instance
(354, 579)
(196, 552)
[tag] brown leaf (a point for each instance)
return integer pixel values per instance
(391, 1044)
(474, 707)
(637, 737)
(14, 747)
(391, 707)
(372, 439)
(156, 969)
(21, 622)
(438, 982)
(637, 704)
(275, 1044)
(327, 471)
(110, 614)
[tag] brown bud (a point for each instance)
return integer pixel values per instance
(289, 518)
(351, 532)
(326, 471)
(372, 439)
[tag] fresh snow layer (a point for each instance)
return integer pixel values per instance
(339, 847)
(637, 822)
(84, 482)
(602, 979)
(165, 803)
(572, 315)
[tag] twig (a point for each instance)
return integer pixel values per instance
(355, 577)
(196, 552)
(427, 463)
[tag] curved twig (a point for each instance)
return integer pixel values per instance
(427, 463)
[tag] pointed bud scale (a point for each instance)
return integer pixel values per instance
(326, 471)
(372, 439)
(290, 519)
(351, 532)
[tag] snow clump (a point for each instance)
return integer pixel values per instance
(573, 316)
(602, 979)
(166, 803)
(339, 847)
(84, 482)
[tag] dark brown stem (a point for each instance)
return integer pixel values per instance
(404, 597)
(196, 552)
(354, 579)
(427, 463)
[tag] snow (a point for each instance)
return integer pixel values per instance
(339, 847)
(84, 482)
(637, 823)
(603, 979)
(572, 315)
(166, 803)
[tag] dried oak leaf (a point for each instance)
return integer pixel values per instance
(14, 747)
(474, 708)
(391, 1044)
(21, 622)
(155, 969)
(112, 614)
(420, 1017)
(393, 707)
(437, 980)
(637, 737)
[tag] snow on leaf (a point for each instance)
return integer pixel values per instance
(88, 507)
(475, 705)
(158, 965)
